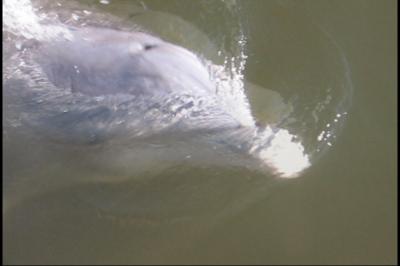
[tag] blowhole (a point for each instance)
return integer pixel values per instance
(149, 46)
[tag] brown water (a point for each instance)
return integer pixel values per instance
(342, 210)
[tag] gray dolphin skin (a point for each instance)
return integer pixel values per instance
(105, 61)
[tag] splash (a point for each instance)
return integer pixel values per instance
(277, 148)
(21, 19)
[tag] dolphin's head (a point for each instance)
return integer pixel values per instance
(108, 62)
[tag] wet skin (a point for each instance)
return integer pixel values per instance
(151, 85)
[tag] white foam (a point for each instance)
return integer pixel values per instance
(21, 19)
(283, 154)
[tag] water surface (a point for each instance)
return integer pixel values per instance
(324, 70)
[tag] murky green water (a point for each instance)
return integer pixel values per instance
(315, 61)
